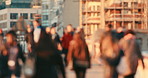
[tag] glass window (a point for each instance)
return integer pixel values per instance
(14, 16)
(45, 17)
(12, 24)
(32, 15)
(25, 15)
(45, 6)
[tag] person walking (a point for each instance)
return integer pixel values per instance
(12, 53)
(78, 54)
(110, 53)
(48, 62)
(132, 53)
(56, 38)
(67, 37)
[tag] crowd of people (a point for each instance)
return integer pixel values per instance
(119, 51)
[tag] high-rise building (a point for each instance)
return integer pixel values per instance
(52, 12)
(130, 14)
(96, 14)
(9, 17)
(90, 15)
(15, 4)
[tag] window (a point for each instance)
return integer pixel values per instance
(45, 17)
(32, 15)
(25, 15)
(12, 24)
(98, 7)
(125, 4)
(14, 16)
(45, 6)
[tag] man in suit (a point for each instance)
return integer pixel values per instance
(48, 61)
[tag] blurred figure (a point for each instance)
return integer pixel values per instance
(70, 29)
(56, 39)
(48, 30)
(29, 38)
(110, 53)
(1, 40)
(13, 53)
(108, 27)
(1, 36)
(48, 62)
(67, 37)
(81, 31)
(120, 33)
(78, 54)
(131, 51)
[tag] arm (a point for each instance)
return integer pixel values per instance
(70, 51)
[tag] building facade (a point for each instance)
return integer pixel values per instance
(52, 12)
(90, 15)
(10, 16)
(130, 14)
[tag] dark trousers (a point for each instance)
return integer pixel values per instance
(65, 51)
(80, 72)
(130, 76)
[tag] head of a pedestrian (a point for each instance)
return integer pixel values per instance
(53, 30)
(48, 30)
(129, 34)
(29, 29)
(119, 29)
(11, 37)
(36, 23)
(69, 28)
(77, 37)
(108, 27)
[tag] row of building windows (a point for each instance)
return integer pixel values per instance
(3, 17)
(25, 15)
(3, 25)
(12, 24)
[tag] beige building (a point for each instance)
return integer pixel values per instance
(96, 14)
(130, 14)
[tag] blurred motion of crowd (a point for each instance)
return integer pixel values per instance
(118, 49)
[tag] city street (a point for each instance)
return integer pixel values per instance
(97, 71)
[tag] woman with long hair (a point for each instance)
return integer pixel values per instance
(78, 54)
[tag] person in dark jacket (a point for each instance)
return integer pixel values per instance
(48, 62)
(78, 54)
(56, 38)
(13, 52)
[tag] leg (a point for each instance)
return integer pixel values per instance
(130, 76)
(80, 73)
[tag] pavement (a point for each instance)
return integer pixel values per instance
(97, 71)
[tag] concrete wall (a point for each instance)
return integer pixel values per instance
(71, 13)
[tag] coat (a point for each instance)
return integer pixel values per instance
(48, 61)
(78, 52)
(110, 53)
(132, 52)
